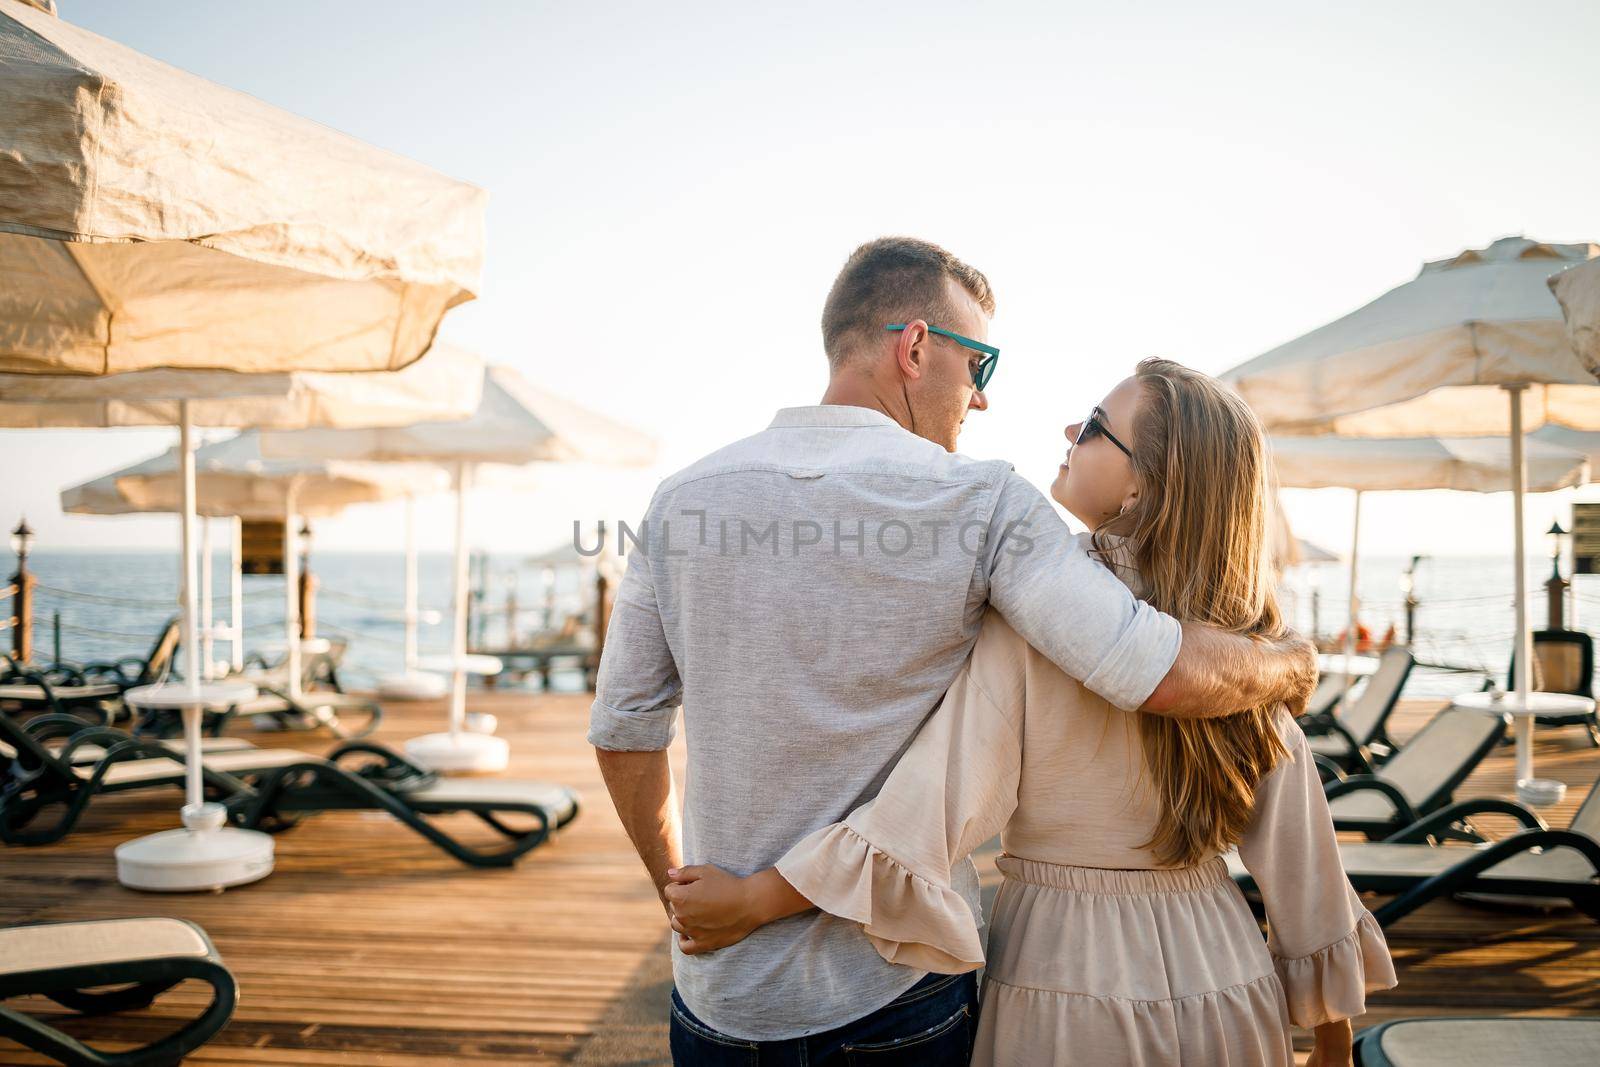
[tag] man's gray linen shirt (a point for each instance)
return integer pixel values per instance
(809, 593)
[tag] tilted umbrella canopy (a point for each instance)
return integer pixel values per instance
(1430, 357)
(1578, 291)
(150, 218)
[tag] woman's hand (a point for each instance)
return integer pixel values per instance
(1332, 1048)
(712, 909)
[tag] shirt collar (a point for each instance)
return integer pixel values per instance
(831, 415)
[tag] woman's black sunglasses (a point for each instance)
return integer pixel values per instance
(1095, 424)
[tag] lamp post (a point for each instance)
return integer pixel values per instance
(22, 597)
(1408, 586)
(308, 583)
(1314, 579)
(1555, 587)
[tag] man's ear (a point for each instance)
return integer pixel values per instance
(910, 352)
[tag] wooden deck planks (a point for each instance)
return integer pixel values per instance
(367, 946)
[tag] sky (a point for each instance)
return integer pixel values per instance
(673, 187)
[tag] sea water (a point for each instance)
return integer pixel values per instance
(103, 605)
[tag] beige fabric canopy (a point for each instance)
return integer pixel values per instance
(150, 218)
(232, 478)
(441, 385)
(1431, 356)
(1470, 464)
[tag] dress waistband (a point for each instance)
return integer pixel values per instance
(1211, 873)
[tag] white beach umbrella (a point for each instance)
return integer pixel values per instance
(1578, 291)
(516, 423)
(1376, 464)
(180, 238)
(232, 478)
(150, 218)
(206, 854)
(1475, 345)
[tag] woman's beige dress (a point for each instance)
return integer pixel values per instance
(1096, 954)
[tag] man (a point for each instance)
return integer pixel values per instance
(813, 590)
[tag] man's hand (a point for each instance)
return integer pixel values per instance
(1332, 1048)
(713, 909)
(1219, 673)
(1300, 671)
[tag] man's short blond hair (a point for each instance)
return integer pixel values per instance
(889, 280)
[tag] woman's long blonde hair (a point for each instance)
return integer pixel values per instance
(1198, 534)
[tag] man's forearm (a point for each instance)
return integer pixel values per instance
(641, 788)
(1218, 673)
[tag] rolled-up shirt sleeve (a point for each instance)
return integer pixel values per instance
(1071, 607)
(638, 690)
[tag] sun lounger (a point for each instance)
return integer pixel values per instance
(1344, 735)
(278, 709)
(345, 715)
(59, 688)
(1480, 1042)
(1331, 686)
(1536, 863)
(271, 789)
(72, 963)
(360, 776)
(130, 671)
(1421, 778)
(94, 753)
(37, 777)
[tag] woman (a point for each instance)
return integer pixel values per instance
(1118, 934)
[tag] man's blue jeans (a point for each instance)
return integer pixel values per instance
(929, 1024)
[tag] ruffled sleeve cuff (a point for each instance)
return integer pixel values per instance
(909, 919)
(1333, 982)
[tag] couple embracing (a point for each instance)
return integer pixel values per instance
(888, 653)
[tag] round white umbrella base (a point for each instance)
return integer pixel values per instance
(1540, 792)
(416, 685)
(459, 753)
(205, 855)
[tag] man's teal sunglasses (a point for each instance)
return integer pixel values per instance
(984, 370)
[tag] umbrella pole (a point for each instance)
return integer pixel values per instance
(291, 590)
(207, 607)
(1354, 619)
(1523, 726)
(458, 623)
(460, 749)
(236, 595)
(411, 583)
(193, 794)
(206, 854)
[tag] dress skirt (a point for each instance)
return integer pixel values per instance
(1147, 968)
